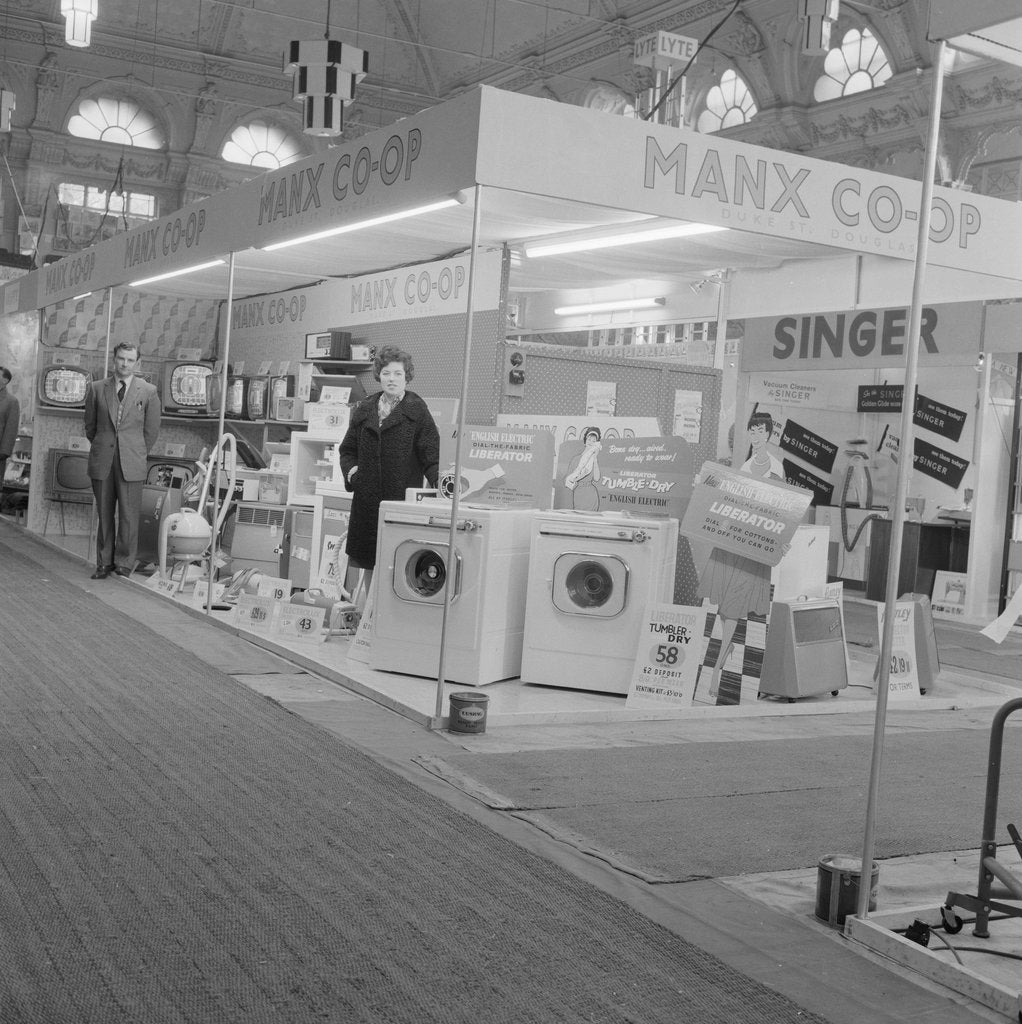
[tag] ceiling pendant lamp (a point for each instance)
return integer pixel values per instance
(78, 18)
(326, 72)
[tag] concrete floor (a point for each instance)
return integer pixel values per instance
(763, 925)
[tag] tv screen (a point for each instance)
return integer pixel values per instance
(258, 397)
(235, 407)
(184, 387)
(169, 471)
(63, 386)
(69, 476)
(214, 393)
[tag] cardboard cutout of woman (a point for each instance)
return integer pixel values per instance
(738, 585)
(584, 472)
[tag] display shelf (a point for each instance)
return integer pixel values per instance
(313, 459)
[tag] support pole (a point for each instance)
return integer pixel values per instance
(466, 362)
(904, 470)
(217, 453)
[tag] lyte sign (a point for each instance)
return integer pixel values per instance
(663, 50)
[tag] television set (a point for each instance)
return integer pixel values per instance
(235, 401)
(183, 390)
(63, 386)
(170, 472)
(68, 478)
(214, 393)
(257, 398)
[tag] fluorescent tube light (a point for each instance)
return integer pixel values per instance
(609, 307)
(176, 273)
(358, 225)
(624, 238)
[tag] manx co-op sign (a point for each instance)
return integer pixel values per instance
(949, 335)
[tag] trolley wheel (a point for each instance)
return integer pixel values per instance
(760, 695)
(952, 922)
(791, 700)
(922, 691)
(834, 693)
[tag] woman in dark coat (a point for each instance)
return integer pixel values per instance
(391, 444)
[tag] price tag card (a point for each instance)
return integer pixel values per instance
(285, 367)
(239, 367)
(255, 613)
(189, 353)
(330, 394)
(161, 585)
(670, 651)
(201, 589)
(265, 368)
(175, 451)
(301, 622)
(78, 444)
(274, 586)
(904, 670)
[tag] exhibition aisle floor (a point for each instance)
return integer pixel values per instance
(762, 923)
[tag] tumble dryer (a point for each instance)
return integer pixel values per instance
(487, 572)
(591, 578)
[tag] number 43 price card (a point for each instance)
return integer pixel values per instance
(670, 651)
(904, 669)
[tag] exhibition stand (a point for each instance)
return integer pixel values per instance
(431, 234)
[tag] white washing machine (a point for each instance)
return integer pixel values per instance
(591, 578)
(488, 573)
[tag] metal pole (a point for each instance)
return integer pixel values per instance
(462, 404)
(904, 470)
(106, 363)
(217, 454)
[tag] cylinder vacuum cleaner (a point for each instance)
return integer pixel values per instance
(187, 536)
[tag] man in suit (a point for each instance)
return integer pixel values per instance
(122, 419)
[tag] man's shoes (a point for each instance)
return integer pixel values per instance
(100, 574)
(120, 570)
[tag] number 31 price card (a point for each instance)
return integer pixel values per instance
(670, 651)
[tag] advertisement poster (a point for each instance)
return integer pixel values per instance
(688, 415)
(744, 514)
(601, 398)
(642, 475)
(570, 428)
(667, 662)
(948, 601)
(903, 681)
(502, 466)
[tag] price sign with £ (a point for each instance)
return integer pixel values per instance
(903, 668)
(301, 622)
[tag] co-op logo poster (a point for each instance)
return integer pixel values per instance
(786, 199)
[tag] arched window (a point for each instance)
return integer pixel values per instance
(122, 122)
(857, 65)
(728, 104)
(258, 144)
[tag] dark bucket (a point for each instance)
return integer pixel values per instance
(837, 887)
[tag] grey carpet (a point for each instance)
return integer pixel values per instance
(696, 810)
(176, 849)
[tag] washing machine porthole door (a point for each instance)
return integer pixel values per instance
(592, 585)
(421, 572)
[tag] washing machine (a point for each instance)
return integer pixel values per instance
(592, 576)
(487, 572)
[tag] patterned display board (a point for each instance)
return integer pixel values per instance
(556, 378)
